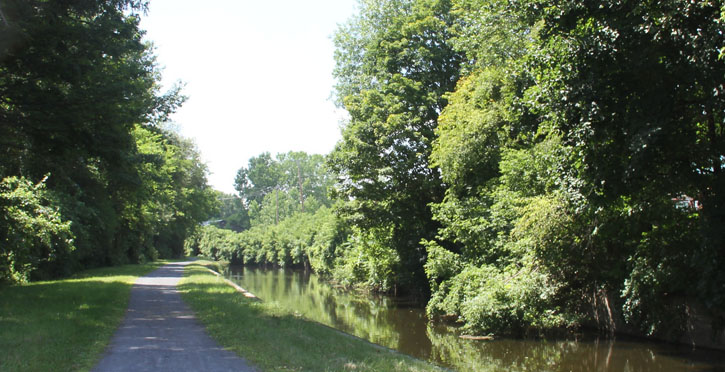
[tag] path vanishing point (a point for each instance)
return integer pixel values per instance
(161, 333)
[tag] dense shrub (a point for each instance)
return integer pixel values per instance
(32, 230)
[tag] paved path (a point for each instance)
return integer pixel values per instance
(161, 333)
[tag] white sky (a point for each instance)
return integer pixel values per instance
(258, 75)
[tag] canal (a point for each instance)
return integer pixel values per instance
(403, 326)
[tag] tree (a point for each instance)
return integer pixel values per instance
(393, 64)
(32, 232)
(306, 177)
(563, 150)
(275, 188)
(76, 81)
(232, 214)
(175, 194)
(258, 179)
(635, 89)
(500, 170)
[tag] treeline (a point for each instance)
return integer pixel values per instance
(527, 165)
(91, 175)
(293, 214)
(290, 221)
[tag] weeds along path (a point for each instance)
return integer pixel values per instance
(161, 333)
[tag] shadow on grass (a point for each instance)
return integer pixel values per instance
(123, 270)
(64, 325)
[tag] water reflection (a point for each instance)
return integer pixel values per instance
(404, 327)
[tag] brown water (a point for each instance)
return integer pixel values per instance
(403, 326)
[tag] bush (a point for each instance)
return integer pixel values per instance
(32, 231)
(367, 258)
(515, 300)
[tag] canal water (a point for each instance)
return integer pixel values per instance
(402, 326)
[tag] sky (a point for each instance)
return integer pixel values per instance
(257, 74)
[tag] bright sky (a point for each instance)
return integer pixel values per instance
(258, 75)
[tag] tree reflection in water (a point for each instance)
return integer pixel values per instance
(400, 326)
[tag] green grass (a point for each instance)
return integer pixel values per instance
(274, 339)
(64, 325)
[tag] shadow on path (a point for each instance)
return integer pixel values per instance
(161, 333)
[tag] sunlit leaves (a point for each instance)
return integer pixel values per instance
(566, 143)
(32, 231)
(80, 99)
(394, 66)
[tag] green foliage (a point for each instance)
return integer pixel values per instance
(563, 149)
(276, 188)
(533, 170)
(175, 196)
(472, 130)
(258, 179)
(318, 241)
(441, 265)
(634, 89)
(490, 32)
(291, 223)
(394, 65)
(518, 159)
(514, 299)
(721, 20)
(325, 234)
(213, 242)
(80, 100)
(368, 260)
(232, 213)
(507, 278)
(32, 232)
(661, 271)
(303, 239)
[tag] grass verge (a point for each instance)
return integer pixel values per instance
(274, 339)
(64, 325)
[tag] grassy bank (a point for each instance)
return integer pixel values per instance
(274, 339)
(64, 325)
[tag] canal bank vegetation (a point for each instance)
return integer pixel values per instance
(64, 325)
(91, 173)
(276, 339)
(524, 165)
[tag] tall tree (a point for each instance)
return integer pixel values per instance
(75, 80)
(174, 195)
(394, 65)
(636, 88)
(275, 188)
(562, 160)
(258, 179)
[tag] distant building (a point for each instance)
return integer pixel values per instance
(687, 202)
